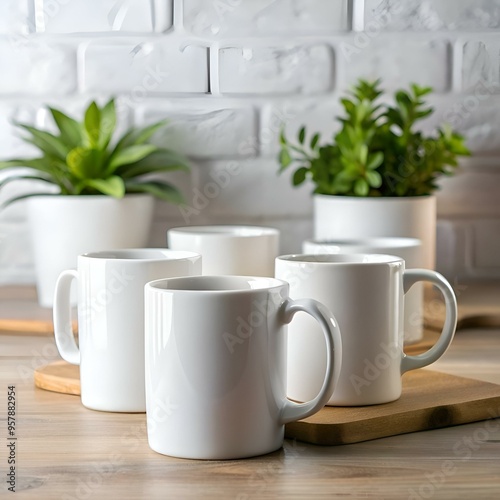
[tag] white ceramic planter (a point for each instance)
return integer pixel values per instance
(63, 227)
(345, 217)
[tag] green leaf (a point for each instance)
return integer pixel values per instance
(162, 190)
(146, 133)
(46, 142)
(129, 155)
(375, 160)
(285, 159)
(361, 187)
(70, 130)
(112, 186)
(302, 135)
(28, 177)
(85, 163)
(34, 163)
(300, 176)
(134, 137)
(108, 124)
(283, 141)
(374, 179)
(314, 141)
(363, 154)
(420, 91)
(24, 197)
(92, 122)
(162, 160)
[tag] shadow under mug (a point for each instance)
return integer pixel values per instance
(216, 365)
(111, 321)
(365, 292)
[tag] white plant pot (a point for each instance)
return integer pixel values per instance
(63, 227)
(345, 217)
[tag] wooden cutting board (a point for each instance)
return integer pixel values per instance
(59, 376)
(430, 400)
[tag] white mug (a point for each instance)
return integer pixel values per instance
(111, 321)
(216, 365)
(409, 249)
(365, 293)
(229, 250)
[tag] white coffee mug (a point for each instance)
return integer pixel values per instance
(229, 250)
(409, 249)
(111, 321)
(216, 365)
(365, 293)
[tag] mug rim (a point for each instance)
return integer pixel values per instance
(350, 259)
(224, 231)
(382, 243)
(168, 255)
(275, 283)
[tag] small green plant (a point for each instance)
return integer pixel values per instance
(82, 159)
(378, 150)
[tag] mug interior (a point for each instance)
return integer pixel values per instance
(221, 231)
(365, 244)
(216, 283)
(142, 254)
(341, 258)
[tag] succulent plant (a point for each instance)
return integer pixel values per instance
(84, 158)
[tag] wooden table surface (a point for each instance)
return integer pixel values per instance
(64, 451)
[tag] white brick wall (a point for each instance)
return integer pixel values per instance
(229, 73)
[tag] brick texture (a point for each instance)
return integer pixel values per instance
(235, 18)
(90, 16)
(229, 74)
(434, 15)
(276, 70)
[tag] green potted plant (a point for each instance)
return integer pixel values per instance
(377, 175)
(101, 191)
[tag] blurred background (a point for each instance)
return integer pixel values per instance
(229, 73)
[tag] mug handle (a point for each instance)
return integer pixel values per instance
(65, 340)
(411, 277)
(296, 411)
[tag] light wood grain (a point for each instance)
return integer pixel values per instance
(20, 312)
(68, 452)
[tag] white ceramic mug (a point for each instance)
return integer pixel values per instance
(216, 365)
(365, 293)
(229, 250)
(111, 321)
(409, 249)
